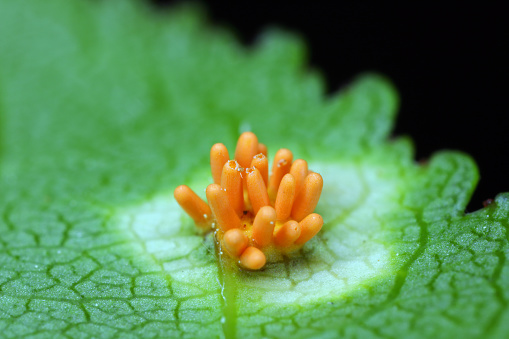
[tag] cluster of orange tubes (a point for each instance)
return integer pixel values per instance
(254, 214)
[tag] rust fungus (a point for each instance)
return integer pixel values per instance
(253, 213)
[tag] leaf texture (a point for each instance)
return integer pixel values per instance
(106, 106)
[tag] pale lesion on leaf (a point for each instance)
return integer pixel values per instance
(352, 250)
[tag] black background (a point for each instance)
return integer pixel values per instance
(448, 62)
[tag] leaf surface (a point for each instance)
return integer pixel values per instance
(105, 107)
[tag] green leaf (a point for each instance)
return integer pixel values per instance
(106, 106)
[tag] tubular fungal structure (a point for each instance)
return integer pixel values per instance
(251, 213)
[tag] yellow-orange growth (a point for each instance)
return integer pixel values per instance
(255, 215)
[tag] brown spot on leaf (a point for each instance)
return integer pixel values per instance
(487, 202)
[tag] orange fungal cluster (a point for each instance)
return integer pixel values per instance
(253, 214)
